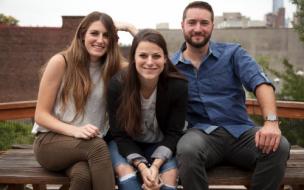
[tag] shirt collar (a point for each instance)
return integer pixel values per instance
(179, 58)
(214, 50)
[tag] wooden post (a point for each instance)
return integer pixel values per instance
(16, 187)
(39, 187)
(64, 187)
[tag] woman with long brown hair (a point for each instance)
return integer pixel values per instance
(70, 113)
(147, 108)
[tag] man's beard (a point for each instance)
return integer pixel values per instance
(197, 44)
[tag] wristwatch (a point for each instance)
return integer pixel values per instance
(141, 161)
(271, 117)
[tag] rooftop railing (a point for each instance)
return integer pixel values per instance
(26, 109)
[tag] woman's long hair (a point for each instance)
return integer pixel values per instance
(129, 110)
(76, 81)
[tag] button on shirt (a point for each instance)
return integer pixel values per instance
(216, 90)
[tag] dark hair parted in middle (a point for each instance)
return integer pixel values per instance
(129, 110)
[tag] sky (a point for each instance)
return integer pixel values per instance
(141, 13)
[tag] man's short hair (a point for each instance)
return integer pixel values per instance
(200, 5)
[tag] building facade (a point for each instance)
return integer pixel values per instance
(276, 5)
(24, 50)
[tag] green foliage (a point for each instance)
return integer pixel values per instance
(292, 89)
(14, 133)
(292, 129)
(299, 23)
(297, 93)
(9, 20)
(292, 84)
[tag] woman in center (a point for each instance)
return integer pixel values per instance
(147, 108)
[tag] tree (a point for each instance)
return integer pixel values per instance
(292, 89)
(9, 20)
(293, 83)
(298, 24)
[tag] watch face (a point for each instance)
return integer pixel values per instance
(271, 117)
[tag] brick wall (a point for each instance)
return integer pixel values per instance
(274, 44)
(22, 53)
(23, 50)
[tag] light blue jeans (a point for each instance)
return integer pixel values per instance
(133, 183)
(117, 158)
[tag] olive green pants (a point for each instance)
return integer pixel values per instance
(86, 162)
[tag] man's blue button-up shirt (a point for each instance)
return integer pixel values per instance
(216, 94)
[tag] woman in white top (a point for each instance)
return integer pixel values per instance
(70, 113)
(147, 111)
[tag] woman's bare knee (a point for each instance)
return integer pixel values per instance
(169, 177)
(123, 169)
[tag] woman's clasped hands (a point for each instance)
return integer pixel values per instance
(150, 176)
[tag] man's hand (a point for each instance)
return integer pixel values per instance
(268, 137)
(127, 27)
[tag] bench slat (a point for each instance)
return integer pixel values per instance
(18, 166)
(31, 176)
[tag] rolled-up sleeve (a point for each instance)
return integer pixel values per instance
(135, 156)
(249, 72)
(162, 152)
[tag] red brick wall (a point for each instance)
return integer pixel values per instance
(23, 50)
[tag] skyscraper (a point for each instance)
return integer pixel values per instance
(276, 5)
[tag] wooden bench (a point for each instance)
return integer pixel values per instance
(18, 167)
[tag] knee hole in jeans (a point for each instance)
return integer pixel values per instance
(123, 170)
(169, 177)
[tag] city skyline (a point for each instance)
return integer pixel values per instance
(276, 5)
(148, 14)
(141, 13)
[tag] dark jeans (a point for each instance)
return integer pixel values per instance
(86, 162)
(197, 151)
